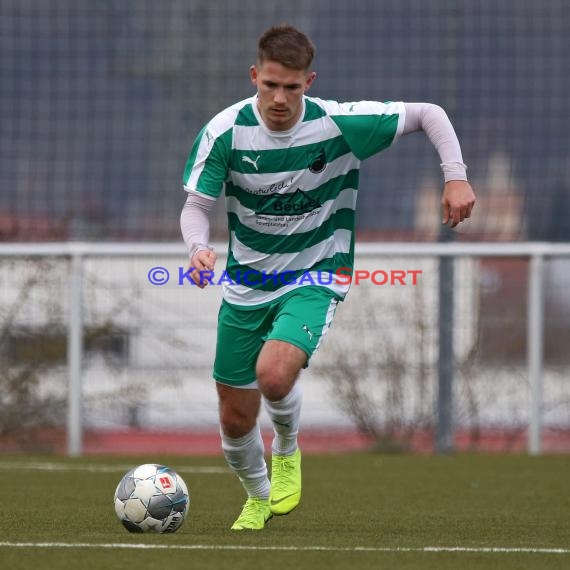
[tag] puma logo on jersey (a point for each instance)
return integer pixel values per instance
(252, 162)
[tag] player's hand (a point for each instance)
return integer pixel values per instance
(203, 261)
(457, 202)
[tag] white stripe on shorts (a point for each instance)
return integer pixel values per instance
(328, 322)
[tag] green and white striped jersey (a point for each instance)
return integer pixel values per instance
(291, 195)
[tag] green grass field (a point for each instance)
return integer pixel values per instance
(358, 511)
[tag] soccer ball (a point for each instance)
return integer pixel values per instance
(152, 498)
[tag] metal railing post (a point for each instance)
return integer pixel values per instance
(446, 362)
(75, 356)
(535, 344)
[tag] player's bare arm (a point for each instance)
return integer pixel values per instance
(457, 202)
(458, 197)
(195, 226)
(203, 260)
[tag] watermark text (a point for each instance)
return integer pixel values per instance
(253, 278)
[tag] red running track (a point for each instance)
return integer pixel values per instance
(184, 442)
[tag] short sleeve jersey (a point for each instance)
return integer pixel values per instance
(291, 195)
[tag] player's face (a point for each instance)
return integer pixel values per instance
(280, 92)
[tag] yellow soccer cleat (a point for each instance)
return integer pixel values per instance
(254, 515)
(285, 483)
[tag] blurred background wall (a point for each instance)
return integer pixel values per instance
(100, 103)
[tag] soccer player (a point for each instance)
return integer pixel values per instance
(289, 165)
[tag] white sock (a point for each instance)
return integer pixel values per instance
(285, 415)
(245, 456)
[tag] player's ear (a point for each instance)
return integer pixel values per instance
(310, 78)
(253, 74)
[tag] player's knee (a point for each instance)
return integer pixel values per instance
(236, 422)
(274, 382)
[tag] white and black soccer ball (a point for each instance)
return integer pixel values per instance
(152, 498)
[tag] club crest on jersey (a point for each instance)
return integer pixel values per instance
(318, 162)
(292, 204)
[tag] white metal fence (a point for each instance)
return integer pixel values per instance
(195, 313)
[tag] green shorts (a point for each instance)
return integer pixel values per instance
(301, 318)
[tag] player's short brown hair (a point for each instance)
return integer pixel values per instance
(286, 45)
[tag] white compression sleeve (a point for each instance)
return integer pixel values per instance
(194, 222)
(434, 121)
